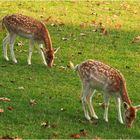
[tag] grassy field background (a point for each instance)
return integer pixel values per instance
(51, 97)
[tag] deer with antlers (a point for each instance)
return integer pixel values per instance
(96, 75)
(32, 29)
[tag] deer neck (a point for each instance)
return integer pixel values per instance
(48, 42)
(124, 95)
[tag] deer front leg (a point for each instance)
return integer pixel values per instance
(5, 42)
(118, 104)
(89, 102)
(42, 54)
(31, 44)
(106, 105)
(11, 44)
(84, 101)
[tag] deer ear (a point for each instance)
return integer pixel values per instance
(137, 107)
(126, 105)
(56, 50)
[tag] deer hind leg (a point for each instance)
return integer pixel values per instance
(106, 105)
(89, 102)
(11, 44)
(118, 104)
(5, 43)
(31, 44)
(42, 54)
(85, 92)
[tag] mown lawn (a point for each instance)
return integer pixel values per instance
(51, 97)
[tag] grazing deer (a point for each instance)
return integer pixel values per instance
(32, 29)
(96, 75)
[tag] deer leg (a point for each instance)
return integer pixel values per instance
(85, 91)
(118, 104)
(11, 44)
(42, 54)
(106, 104)
(31, 44)
(5, 42)
(89, 102)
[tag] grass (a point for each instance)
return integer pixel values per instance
(56, 91)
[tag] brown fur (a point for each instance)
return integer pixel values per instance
(98, 74)
(29, 27)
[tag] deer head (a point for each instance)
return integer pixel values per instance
(130, 114)
(49, 55)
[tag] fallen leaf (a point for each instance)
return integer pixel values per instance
(20, 44)
(136, 38)
(3, 66)
(127, 67)
(33, 102)
(29, 78)
(94, 13)
(12, 81)
(1, 110)
(4, 99)
(21, 88)
(45, 124)
(68, 66)
(94, 30)
(52, 24)
(84, 132)
(43, 9)
(41, 16)
(62, 67)
(50, 97)
(96, 138)
(62, 109)
(82, 34)
(79, 52)
(64, 38)
(54, 125)
(55, 133)
(7, 137)
(10, 108)
(82, 121)
(75, 136)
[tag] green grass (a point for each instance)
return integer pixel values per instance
(57, 91)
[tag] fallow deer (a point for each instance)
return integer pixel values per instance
(32, 29)
(96, 75)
